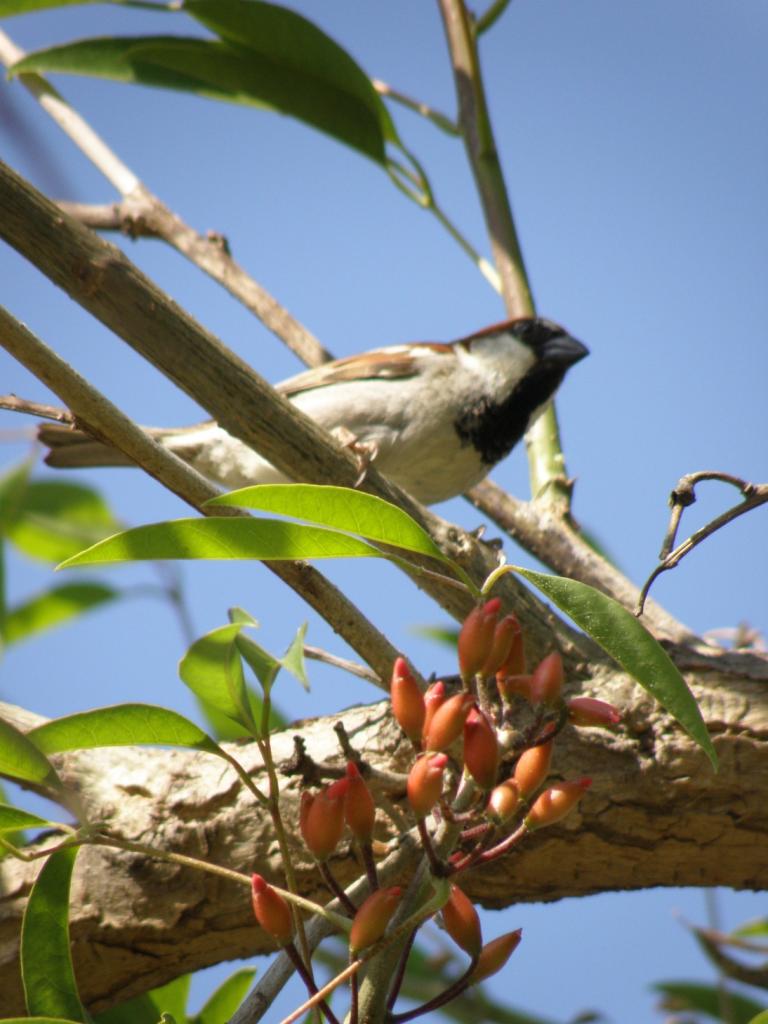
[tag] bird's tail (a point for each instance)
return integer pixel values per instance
(70, 448)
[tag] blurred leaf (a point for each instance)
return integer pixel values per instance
(36, 1020)
(14, 818)
(13, 486)
(440, 634)
(120, 725)
(9, 7)
(270, 539)
(46, 962)
(21, 759)
(148, 1007)
(54, 607)
(706, 999)
(212, 669)
(57, 519)
(341, 508)
(227, 997)
(761, 1018)
(752, 928)
(629, 643)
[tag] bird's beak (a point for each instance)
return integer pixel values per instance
(563, 350)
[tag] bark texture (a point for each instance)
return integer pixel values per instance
(656, 815)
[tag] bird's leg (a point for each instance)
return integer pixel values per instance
(364, 451)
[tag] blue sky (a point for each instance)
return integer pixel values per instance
(633, 138)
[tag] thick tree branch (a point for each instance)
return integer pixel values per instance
(655, 815)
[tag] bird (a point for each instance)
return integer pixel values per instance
(435, 416)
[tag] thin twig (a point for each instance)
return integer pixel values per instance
(46, 412)
(140, 206)
(440, 120)
(755, 495)
(353, 667)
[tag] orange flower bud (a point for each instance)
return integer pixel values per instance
(555, 802)
(532, 768)
(481, 748)
(514, 662)
(359, 808)
(590, 711)
(372, 918)
(407, 701)
(476, 637)
(515, 685)
(547, 681)
(321, 819)
(504, 636)
(271, 910)
(495, 954)
(425, 782)
(462, 922)
(503, 801)
(448, 721)
(434, 698)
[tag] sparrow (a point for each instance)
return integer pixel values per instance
(435, 416)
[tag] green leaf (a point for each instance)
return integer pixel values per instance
(751, 929)
(303, 72)
(54, 607)
(21, 759)
(9, 7)
(13, 818)
(293, 659)
(270, 57)
(341, 508)
(227, 997)
(261, 539)
(37, 1020)
(629, 643)
(148, 1007)
(56, 519)
(13, 486)
(761, 1018)
(706, 999)
(260, 661)
(46, 963)
(119, 726)
(212, 669)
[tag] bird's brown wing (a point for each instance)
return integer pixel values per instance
(397, 361)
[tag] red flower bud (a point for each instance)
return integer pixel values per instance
(590, 711)
(514, 662)
(359, 808)
(503, 801)
(481, 748)
(514, 685)
(555, 802)
(321, 819)
(372, 918)
(271, 910)
(462, 922)
(495, 954)
(476, 637)
(407, 701)
(434, 698)
(547, 681)
(425, 782)
(448, 721)
(532, 768)
(504, 636)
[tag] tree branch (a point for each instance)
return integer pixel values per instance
(655, 815)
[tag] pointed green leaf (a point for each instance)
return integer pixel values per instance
(270, 57)
(629, 643)
(120, 725)
(227, 997)
(172, 997)
(53, 608)
(262, 539)
(21, 759)
(751, 929)
(57, 519)
(13, 818)
(341, 508)
(212, 669)
(260, 661)
(148, 1007)
(293, 659)
(46, 962)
